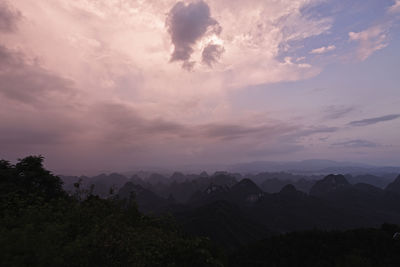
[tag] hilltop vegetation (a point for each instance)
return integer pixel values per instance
(40, 225)
(193, 220)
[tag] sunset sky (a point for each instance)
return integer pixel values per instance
(116, 84)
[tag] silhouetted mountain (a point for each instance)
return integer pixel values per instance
(333, 202)
(394, 186)
(178, 177)
(313, 166)
(204, 174)
(378, 181)
(305, 166)
(211, 194)
(182, 191)
(291, 210)
(275, 185)
(156, 178)
(371, 204)
(147, 201)
(223, 222)
(329, 184)
(245, 191)
(291, 191)
(223, 178)
(103, 185)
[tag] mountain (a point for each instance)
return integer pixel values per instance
(241, 193)
(377, 181)
(329, 184)
(310, 166)
(147, 201)
(394, 186)
(313, 166)
(223, 222)
(291, 191)
(210, 194)
(245, 191)
(178, 177)
(371, 205)
(102, 184)
(291, 210)
(274, 185)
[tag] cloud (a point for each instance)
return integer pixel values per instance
(27, 82)
(123, 122)
(9, 17)
(316, 130)
(223, 131)
(98, 81)
(301, 133)
(187, 24)
(356, 143)
(323, 49)
(370, 40)
(375, 120)
(37, 105)
(336, 112)
(212, 53)
(395, 8)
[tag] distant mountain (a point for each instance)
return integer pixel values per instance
(291, 191)
(178, 177)
(147, 201)
(274, 185)
(371, 204)
(103, 184)
(394, 186)
(245, 191)
(377, 181)
(182, 187)
(329, 184)
(242, 193)
(291, 209)
(311, 166)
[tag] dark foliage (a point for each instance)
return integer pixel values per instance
(40, 225)
(353, 248)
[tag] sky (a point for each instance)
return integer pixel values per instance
(117, 84)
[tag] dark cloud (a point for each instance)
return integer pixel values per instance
(33, 132)
(357, 143)
(188, 23)
(125, 123)
(35, 103)
(336, 112)
(29, 83)
(299, 133)
(9, 59)
(212, 53)
(315, 130)
(236, 131)
(9, 17)
(375, 120)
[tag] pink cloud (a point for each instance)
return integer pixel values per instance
(370, 40)
(323, 49)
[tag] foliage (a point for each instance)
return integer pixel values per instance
(40, 225)
(359, 247)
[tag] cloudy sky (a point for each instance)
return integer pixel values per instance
(96, 84)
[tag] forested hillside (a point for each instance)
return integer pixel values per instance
(228, 223)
